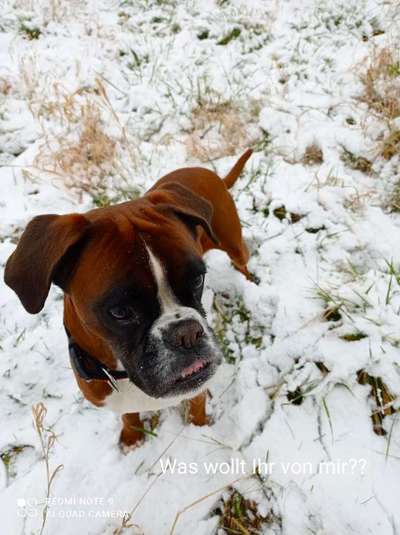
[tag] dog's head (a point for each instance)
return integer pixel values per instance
(133, 275)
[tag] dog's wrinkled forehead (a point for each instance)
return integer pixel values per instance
(112, 256)
(151, 266)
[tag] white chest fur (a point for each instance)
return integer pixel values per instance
(131, 399)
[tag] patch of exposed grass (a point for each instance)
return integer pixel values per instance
(381, 81)
(315, 230)
(394, 276)
(356, 162)
(93, 148)
(28, 31)
(332, 313)
(336, 305)
(391, 145)
(220, 124)
(353, 337)
(241, 516)
(263, 142)
(394, 199)
(382, 397)
(9, 456)
(78, 147)
(203, 34)
(219, 128)
(295, 396)
(313, 155)
(281, 213)
(235, 316)
(231, 36)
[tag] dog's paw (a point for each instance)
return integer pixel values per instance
(206, 420)
(125, 448)
(194, 411)
(130, 439)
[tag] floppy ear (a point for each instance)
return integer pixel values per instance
(34, 264)
(191, 208)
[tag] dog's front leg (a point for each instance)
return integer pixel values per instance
(195, 410)
(132, 433)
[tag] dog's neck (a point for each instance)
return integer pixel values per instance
(85, 338)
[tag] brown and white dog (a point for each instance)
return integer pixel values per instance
(132, 276)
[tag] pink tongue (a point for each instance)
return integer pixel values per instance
(193, 368)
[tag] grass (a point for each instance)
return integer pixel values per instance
(86, 144)
(9, 457)
(241, 516)
(234, 315)
(297, 396)
(47, 439)
(220, 124)
(382, 397)
(281, 213)
(92, 150)
(219, 128)
(380, 79)
(29, 32)
(328, 415)
(353, 337)
(394, 276)
(394, 199)
(231, 36)
(391, 145)
(356, 162)
(313, 155)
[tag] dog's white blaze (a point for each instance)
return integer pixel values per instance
(166, 298)
(171, 310)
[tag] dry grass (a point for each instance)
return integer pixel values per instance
(391, 145)
(84, 142)
(381, 80)
(84, 161)
(313, 155)
(83, 154)
(50, 10)
(356, 162)
(240, 516)
(382, 397)
(394, 201)
(219, 126)
(47, 440)
(5, 86)
(218, 129)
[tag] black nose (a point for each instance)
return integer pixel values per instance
(185, 333)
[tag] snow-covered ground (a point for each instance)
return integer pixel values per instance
(98, 99)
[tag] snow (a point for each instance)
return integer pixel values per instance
(294, 75)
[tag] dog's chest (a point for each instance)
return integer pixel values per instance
(130, 399)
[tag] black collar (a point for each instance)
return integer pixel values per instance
(89, 368)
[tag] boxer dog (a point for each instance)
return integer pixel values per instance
(133, 276)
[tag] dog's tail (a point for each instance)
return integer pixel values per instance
(233, 174)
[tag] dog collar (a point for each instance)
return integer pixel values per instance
(91, 369)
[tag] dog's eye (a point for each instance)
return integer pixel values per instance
(121, 313)
(198, 282)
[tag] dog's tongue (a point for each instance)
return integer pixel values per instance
(193, 368)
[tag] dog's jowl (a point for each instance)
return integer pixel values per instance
(133, 276)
